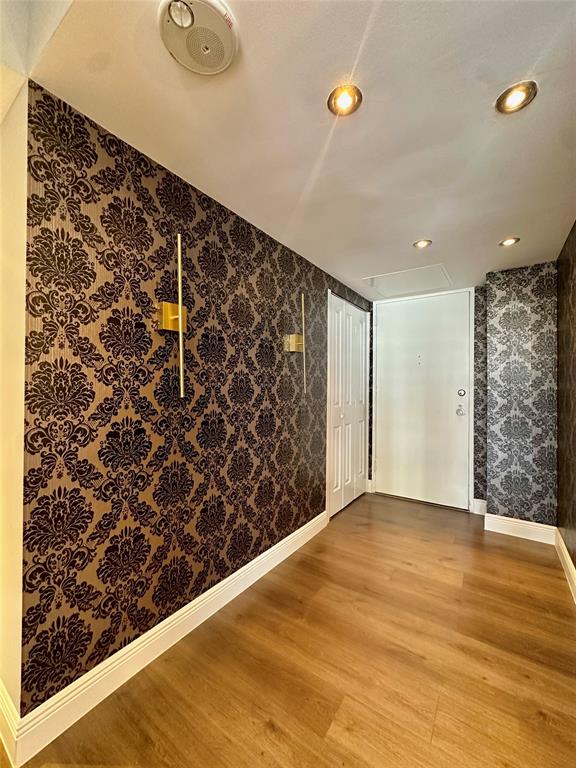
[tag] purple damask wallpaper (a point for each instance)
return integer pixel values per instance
(137, 501)
(522, 390)
(567, 393)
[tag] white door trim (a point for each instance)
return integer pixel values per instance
(329, 445)
(470, 292)
(567, 564)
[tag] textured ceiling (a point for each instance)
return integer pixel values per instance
(425, 156)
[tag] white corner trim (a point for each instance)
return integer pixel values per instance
(478, 507)
(567, 564)
(26, 736)
(524, 529)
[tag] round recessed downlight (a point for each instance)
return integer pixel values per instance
(516, 97)
(422, 244)
(344, 100)
(508, 241)
(181, 14)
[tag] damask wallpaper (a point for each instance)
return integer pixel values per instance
(567, 393)
(521, 355)
(137, 501)
(480, 392)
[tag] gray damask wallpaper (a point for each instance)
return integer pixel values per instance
(137, 501)
(567, 393)
(480, 393)
(521, 408)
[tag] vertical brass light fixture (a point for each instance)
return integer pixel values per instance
(172, 317)
(303, 340)
(180, 323)
(296, 342)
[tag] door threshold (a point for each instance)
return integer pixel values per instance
(421, 501)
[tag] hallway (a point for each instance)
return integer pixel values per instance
(402, 636)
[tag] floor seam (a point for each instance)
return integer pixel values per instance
(435, 716)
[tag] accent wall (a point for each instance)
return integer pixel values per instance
(521, 386)
(137, 501)
(567, 393)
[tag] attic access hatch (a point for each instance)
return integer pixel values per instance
(409, 282)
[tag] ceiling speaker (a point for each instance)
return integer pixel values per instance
(200, 34)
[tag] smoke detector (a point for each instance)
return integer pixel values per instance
(200, 34)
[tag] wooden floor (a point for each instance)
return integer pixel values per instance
(402, 636)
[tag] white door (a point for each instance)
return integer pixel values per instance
(422, 398)
(346, 455)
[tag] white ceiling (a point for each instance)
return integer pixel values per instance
(25, 28)
(426, 156)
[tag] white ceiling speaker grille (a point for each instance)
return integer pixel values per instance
(200, 34)
(205, 47)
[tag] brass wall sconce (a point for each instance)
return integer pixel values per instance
(172, 317)
(296, 342)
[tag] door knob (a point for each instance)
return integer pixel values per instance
(341, 415)
(460, 411)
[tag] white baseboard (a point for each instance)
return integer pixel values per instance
(478, 507)
(9, 718)
(524, 529)
(26, 736)
(567, 564)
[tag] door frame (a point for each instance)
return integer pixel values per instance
(329, 446)
(470, 292)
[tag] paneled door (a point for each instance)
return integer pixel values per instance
(422, 398)
(347, 433)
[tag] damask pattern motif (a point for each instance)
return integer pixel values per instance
(480, 392)
(567, 393)
(137, 501)
(521, 312)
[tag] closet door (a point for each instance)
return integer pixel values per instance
(335, 415)
(347, 403)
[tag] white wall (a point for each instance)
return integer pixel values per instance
(13, 188)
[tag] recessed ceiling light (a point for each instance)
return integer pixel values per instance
(422, 243)
(345, 99)
(516, 97)
(507, 242)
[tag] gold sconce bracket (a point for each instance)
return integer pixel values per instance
(168, 316)
(294, 342)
